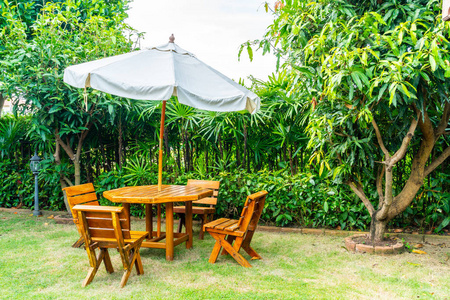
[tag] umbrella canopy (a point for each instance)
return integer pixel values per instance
(159, 73)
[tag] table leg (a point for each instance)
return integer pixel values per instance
(188, 224)
(126, 206)
(149, 219)
(169, 231)
(158, 225)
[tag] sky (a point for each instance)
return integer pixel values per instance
(212, 30)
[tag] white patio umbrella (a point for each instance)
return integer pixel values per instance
(157, 74)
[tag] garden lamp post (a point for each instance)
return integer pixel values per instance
(35, 163)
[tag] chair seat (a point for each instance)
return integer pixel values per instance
(198, 210)
(228, 226)
(136, 236)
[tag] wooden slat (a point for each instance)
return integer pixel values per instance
(157, 238)
(195, 210)
(106, 232)
(80, 199)
(105, 222)
(95, 208)
(233, 227)
(157, 245)
(79, 189)
(215, 223)
(258, 195)
(233, 233)
(224, 225)
(137, 234)
(181, 239)
(208, 184)
(206, 201)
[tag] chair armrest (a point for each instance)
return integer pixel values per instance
(97, 208)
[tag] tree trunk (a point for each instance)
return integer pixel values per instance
(120, 144)
(102, 151)
(244, 160)
(166, 141)
(62, 182)
(291, 162)
(377, 229)
(206, 158)
(179, 156)
(185, 152)
(77, 168)
(2, 102)
(238, 154)
(220, 147)
(88, 167)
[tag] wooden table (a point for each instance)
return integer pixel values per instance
(169, 194)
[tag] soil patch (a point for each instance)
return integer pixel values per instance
(366, 240)
(63, 219)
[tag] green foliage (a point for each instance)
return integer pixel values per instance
(33, 58)
(305, 199)
(17, 186)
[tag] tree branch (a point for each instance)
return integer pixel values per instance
(67, 180)
(83, 135)
(380, 186)
(358, 190)
(65, 146)
(430, 168)
(405, 143)
(380, 139)
(440, 129)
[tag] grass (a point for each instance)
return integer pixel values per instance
(37, 262)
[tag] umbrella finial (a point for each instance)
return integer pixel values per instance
(171, 38)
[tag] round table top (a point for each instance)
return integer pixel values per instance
(150, 194)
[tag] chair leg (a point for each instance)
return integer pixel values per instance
(138, 264)
(247, 248)
(133, 258)
(78, 243)
(204, 221)
(215, 251)
(95, 264)
(181, 223)
(230, 239)
(126, 273)
(139, 267)
(107, 260)
(239, 258)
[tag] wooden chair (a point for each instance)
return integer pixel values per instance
(106, 227)
(203, 211)
(241, 231)
(80, 194)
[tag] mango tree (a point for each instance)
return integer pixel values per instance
(376, 74)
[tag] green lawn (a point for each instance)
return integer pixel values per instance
(36, 261)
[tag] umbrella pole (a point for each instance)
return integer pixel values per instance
(161, 135)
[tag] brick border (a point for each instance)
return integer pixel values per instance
(351, 245)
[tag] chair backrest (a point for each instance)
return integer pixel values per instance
(103, 223)
(80, 194)
(251, 212)
(207, 184)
